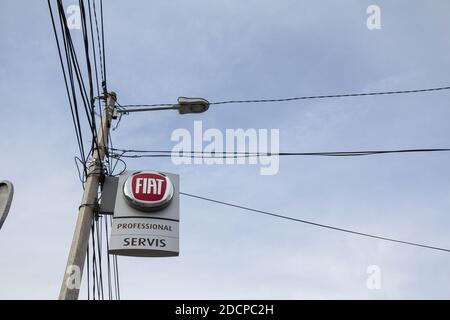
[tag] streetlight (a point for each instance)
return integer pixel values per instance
(6, 195)
(77, 253)
(184, 106)
(192, 105)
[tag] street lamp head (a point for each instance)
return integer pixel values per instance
(6, 195)
(192, 105)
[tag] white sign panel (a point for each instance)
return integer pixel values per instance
(146, 215)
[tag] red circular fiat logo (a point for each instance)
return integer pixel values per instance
(148, 190)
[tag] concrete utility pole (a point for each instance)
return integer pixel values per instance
(70, 287)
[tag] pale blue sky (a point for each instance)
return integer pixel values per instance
(235, 49)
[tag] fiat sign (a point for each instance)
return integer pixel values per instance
(148, 190)
(146, 215)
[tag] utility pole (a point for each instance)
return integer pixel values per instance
(70, 287)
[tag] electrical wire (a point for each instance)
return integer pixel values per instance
(74, 60)
(94, 264)
(117, 278)
(98, 230)
(302, 97)
(332, 96)
(90, 77)
(108, 260)
(92, 121)
(102, 73)
(75, 119)
(74, 69)
(95, 65)
(315, 223)
(123, 153)
(103, 45)
(102, 51)
(81, 99)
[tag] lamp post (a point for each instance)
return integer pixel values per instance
(77, 254)
(184, 106)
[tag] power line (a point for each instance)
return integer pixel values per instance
(108, 260)
(332, 96)
(95, 65)
(69, 78)
(315, 223)
(103, 42)
(224, 154)
(80, 145)
(75, 81)
(99, 230)
(72, 61)
(116, 277)
(102, 73)
(303, 97)
(89, 70)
